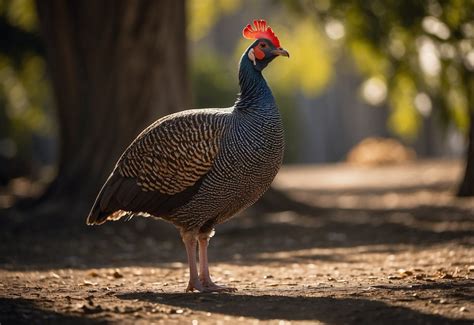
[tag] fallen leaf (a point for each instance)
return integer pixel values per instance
(117, 274)
(93, 274)
(404, 272)
(394, 277)
(55, 275)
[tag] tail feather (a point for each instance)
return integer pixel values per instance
(101, 210)
(96, 217)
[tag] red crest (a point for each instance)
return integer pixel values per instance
(260, 30)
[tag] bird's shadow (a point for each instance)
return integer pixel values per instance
(26, 311)
(330, 310)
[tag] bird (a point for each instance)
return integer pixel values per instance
(199, 167)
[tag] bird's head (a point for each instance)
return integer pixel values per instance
(266, 46)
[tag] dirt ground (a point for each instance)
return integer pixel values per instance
(385, 245)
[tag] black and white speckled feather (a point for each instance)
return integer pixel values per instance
(197, 168)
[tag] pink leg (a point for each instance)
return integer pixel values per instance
(204, 275)
(189, 239)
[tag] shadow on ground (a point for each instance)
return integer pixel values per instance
(292, 258)
(280, 222)
(145, 242)
(26, 311)
(323, 309)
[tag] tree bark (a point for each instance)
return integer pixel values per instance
(116, 65)
(467, 185)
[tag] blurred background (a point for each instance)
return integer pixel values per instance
(369, 83)
(369, 221)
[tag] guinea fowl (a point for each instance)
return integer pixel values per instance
(197, 168)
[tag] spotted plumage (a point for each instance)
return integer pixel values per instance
(197, 168)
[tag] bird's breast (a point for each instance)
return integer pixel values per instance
(251, 154)
(249, 157)
(257, 144)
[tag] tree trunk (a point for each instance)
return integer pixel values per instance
(467, 184)
(116, 66)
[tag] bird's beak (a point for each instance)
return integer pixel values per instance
(281, 51)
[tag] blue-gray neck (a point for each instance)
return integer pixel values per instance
(254, 91)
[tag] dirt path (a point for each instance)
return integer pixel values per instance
(392, 252)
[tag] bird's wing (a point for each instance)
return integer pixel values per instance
(163, 167)
(174, 153)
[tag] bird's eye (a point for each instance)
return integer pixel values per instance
(263, 45)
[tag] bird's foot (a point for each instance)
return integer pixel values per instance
(218, 288)
(195, 286)
(210, 286)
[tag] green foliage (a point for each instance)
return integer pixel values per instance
(25, 94)
(310, 68)
(422, 48)
(20, 13)
(214, 72)
(214, 82)
(203, 14)
(404, 119)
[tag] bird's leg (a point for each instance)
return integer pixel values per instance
(203, 261)
(204, 275)
(189, 239)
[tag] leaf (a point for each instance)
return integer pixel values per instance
(117, 274)
(89, 283)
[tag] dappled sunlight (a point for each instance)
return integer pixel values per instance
(361, 225)
(374, 90)
(403, 257)
(26, 92)
(309, 68)
(203, 14)
(429, 57)
(346, 178)
(404, 118)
